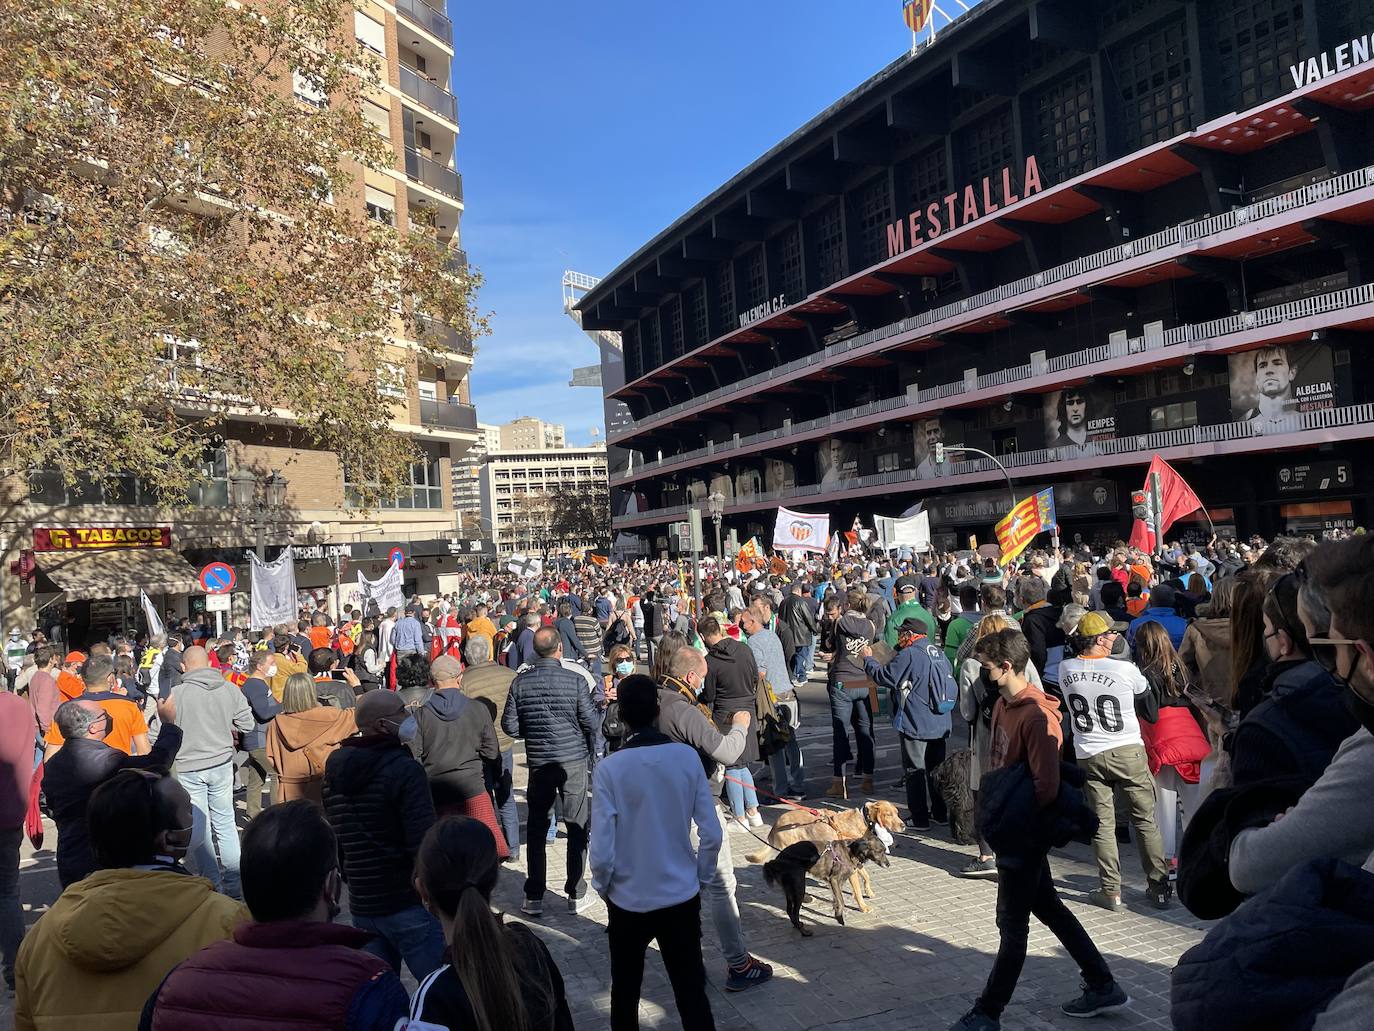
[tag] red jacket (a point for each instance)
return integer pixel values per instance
(1176, 740)
(303, 975)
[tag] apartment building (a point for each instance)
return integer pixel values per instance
(467, 479)
(530, 434)
(518, 488)
(1071, 238)
(78, 556)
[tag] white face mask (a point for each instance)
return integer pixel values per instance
(271, 672)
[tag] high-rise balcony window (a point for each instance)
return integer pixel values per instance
(381, 207)
(369, 33)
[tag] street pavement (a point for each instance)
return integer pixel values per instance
(915, 962)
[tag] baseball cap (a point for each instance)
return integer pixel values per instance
(1095, 624)
(445, 667)
(913, 626)
(74, 657)
(906, 588)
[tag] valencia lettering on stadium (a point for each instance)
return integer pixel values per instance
(960, 208)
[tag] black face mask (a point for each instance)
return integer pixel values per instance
(1362, 711)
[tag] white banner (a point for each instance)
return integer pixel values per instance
(801, 531)
(385, 592)
(273, 591)
(913, 532)
(155, 627)
(526, 567)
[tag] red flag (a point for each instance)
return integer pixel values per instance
(1177, 499)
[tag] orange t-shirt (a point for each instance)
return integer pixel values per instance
(126, 722)
(321, 637)
(69, 685)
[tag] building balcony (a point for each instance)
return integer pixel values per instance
(1283, 213)
(445, 338)
(448, 415)
(429, 95)
(437, 177)
(1116, 357)
(1298, 430)
(422, 14)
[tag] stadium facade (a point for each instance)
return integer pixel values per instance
(1070, 235)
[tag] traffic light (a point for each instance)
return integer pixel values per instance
(1140, 505)
(939, 454)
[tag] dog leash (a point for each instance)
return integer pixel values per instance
(760, 791)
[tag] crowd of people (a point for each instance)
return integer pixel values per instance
(1210, 703)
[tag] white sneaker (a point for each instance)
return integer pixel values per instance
(739, 825)
(755, 820)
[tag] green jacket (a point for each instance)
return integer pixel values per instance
(955, 634)
(905, 611)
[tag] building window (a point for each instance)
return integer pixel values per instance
(874, 209)
(985, 148)
(888, 462)
(381, 207)
(1154, 74)
(755, 285)
(378, 117)
(1256, 43)
(369, 33)
(1067, 144)
(391, 379)
(425, 489)
(649, 341)
(725, 297)
(825, 231)
(307, 91)
(671, 319)
(324, 186)
(786, 252)
(1174, 416)
(696, 311)
(926, 178)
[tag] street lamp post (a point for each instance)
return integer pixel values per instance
(258, 498)
(991, 458)
(715, 504)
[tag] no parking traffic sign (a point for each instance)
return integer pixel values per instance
(397, 557)
(218, 578)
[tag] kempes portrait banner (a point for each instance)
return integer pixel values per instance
(837, 460)
(1076, 418)
(801, 531)
(1272, 385)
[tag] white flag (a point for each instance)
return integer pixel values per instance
(529, 568)
(385, 591)
(273, 591)
(912, 532)
(155, 627)
(801, 531)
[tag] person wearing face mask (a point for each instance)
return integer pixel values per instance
(92, 960)
(257, 767)
(292, 965)
(1304, 717)
(84, 763)
(377, 799)
(301, 738)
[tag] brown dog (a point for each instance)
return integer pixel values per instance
(829, 825)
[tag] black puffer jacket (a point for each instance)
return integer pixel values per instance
(1278, 960)
(376, 797)
(551, 709)
(1296, 730)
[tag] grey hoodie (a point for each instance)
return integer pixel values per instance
(209, 711)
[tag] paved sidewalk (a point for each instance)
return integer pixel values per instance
(916, 961)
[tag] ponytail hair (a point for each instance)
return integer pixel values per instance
(457, 866)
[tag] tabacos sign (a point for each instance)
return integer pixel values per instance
(88, 538)
(958, 209)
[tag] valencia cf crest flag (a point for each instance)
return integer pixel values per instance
(916, 13)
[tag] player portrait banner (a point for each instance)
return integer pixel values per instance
(912, 532)
(1030, 516)
(385, 592)
(273, 591)
(1078, 418)
(836, 460)
(1271, 386)
(801, 531)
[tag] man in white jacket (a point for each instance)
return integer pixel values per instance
(645, 799)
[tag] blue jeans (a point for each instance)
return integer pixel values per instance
(788, 772)
(412, 935)
(499, 783)
(212, 796)
(741, 796)
(851, 705)
(801, 660)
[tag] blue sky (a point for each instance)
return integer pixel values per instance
(587, 128)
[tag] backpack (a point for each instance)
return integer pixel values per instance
(612, 727)
(943, 691)
(616, 633)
